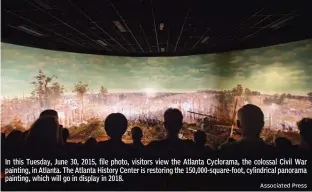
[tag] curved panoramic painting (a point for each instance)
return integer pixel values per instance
(81, 86)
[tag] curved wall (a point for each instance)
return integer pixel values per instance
(277, 69)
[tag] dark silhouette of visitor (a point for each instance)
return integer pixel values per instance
(52, 113)
(49, 112)
(44, 133)
(12, 142)
(2, 136)
(138, 148)
(228, 142)
(305, 128)
(172, 145)
(91, 142)
(13, 137)
(24, 136)
(89, 148)
(173, 122)
(65, 135)
(250, 120)
(137, 136)
(4, 147)
(200, 139)
(282, 143)
(115, 126)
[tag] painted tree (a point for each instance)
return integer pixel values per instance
(103, 90)
(57, 91)
(255, 93)
(226, 100)
(276, 99)
(80, 90)
(39, 87)
(43, 89)
(238, 90)
(247, 94)
(122, 97)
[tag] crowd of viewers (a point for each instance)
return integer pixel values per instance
(46, 138)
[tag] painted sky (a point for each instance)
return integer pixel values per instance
(276, 69)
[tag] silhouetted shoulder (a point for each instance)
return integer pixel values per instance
(228, 146)
(168, 143)
(155, 144)
(109, 143)
(113, 147)
(248, 148)
(171, 148)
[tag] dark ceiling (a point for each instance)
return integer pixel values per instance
(153, 27)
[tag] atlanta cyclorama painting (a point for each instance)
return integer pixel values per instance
(208, 89)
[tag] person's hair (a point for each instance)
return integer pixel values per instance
(44, 132)
(173, 120)
(250, 120)
(49, 112)
(115, 125)
(305, 128)
(200, 137)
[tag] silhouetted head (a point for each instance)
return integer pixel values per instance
(65, 134)
(173, 121)
(200, 138)
(49, 112)
(250, 121)
(305, 128)
(115, 125)
(91, 142)
(137, 134)
(282, 143)
(44, 131)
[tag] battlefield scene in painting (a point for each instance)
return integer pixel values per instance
(213, 111)
(208, 89)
